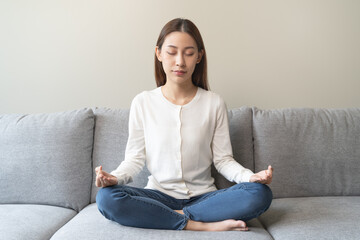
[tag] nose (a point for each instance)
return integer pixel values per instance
(180, 61)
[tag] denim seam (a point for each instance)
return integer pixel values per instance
(183, 225)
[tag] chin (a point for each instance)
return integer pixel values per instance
(180, 81)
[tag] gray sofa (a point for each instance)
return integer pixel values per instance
(47, 178)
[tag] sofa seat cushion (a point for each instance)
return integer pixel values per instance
(313, 218)
(90, 224)
(31, 222)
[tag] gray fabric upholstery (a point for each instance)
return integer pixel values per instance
(46, 158)
(111, 133)
(240, 126)
(313, 218)
(314, 152)
(91, 225)
(32, 222)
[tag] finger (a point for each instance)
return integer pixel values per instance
(100, 168)
(269, 180)
(270, 170)
(102, 177)
(98, 183)
(102, 182)
(108, 179)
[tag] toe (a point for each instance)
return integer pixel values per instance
(241, 224)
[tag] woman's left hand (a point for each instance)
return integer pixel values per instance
(264, 177)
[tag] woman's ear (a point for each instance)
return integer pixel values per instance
(158, 53)
(200, 55)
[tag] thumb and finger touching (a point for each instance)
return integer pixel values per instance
(104, 179)
(99, 177)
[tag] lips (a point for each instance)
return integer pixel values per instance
(179, 71)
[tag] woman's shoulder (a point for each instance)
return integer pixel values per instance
(145, 95)
(212, 97)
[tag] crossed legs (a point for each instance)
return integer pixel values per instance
(222, 210)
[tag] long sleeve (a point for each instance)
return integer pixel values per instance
(135, 149)
(222, 150)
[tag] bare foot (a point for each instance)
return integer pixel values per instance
(226, 225)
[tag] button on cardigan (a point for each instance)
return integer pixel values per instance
(178, 144)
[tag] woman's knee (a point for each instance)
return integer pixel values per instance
(106, 197)
(102, 197)
(261, 199)
(260, 193)
(265, 194)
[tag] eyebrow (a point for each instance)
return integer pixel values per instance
(172, 46)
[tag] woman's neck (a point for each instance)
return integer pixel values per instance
(179, 95)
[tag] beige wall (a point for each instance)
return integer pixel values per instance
(64, 55)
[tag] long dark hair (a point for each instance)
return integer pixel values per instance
(199, 76)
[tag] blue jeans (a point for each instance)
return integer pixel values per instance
(147, 208)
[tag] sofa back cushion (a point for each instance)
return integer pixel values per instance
(46, 158)
(110, 138)
(240, 125)
(111, 135)
(314, 152)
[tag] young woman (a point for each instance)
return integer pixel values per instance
(179, 129)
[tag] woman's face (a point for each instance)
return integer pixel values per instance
(179, 55)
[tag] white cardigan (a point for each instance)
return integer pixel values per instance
(179, 143)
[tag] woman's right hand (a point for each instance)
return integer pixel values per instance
(104, 179)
